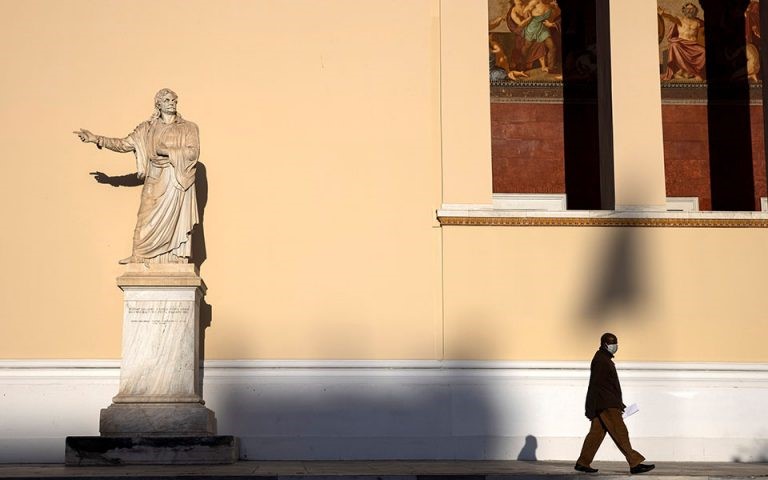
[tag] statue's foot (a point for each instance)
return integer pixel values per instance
(131, 259)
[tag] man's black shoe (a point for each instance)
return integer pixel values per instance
(584, 469)
(642, 468)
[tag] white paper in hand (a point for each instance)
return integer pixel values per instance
(630, 410)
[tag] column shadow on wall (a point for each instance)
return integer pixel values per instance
(728, 109)
(616, 280)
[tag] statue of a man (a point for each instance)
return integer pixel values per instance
(167, 148)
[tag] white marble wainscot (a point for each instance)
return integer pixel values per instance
(419, 409)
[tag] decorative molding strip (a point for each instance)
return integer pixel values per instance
(602, 222)
(672, 93)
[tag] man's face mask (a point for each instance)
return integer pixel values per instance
(612, 347)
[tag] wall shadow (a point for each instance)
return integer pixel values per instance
(199, 255)
(728, 109)
(199, 251)
(587, 117)
(752, 454)
(206, 318)
(361, 413)
(617, 280)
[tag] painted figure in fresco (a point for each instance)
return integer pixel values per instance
(167, 148)
(752, 30)
(533, 22)
(500, 61)
(540, 16)
(687, 56)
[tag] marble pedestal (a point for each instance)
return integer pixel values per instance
(159, 408)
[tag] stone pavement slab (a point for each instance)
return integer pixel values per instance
(388, 470)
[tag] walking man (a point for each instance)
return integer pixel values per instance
(604, 407)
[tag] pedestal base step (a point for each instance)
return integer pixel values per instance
(157, 420)
(217, 449)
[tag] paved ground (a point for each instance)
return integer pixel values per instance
(390, 470)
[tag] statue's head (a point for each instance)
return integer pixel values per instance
(165, 102)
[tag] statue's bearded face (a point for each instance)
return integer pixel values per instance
(690, 10)
(167, 103)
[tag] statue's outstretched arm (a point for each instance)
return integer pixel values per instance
(121, 145)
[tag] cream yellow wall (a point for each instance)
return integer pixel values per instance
(331, 131)
(548, 293)
(320, 135)
(464, 107)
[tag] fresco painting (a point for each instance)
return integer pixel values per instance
(682, 49)
(524, 40)
(525, 43)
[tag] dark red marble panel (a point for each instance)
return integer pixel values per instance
(527, 143)
(686, 153)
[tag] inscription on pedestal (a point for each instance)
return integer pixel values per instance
(158, 314)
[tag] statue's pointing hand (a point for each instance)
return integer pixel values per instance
(86, 136)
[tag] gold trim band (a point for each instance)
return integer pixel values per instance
(604, 222)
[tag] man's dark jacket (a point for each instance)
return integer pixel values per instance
(604, 390)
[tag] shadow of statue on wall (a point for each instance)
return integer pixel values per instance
(199, 255)
(128, 180)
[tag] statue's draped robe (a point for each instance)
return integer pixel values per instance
(168, 210)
